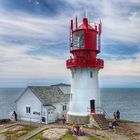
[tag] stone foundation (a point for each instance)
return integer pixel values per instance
(93, 122)
(77, 119)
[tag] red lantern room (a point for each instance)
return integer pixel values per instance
(85, 45)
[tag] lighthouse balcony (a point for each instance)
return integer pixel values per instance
(79, 62)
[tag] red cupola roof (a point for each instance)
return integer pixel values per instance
(85, 25)
(85, 45)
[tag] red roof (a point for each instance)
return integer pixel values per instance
(83, 26)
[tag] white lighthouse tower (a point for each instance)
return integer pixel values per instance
(84, 66)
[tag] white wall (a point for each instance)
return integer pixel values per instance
(59, 109)
(83, 89)
(29, 99)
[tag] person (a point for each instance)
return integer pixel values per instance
(114, 124)
(77, 127)
(15, 115)
(110, 124)
(64, 120)
(81, 131)
(114, 114)
(11, 116)
(118, 114)
(72, 127)
(75, 130)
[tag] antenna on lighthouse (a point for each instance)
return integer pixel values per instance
(76, 22)
(85, 13)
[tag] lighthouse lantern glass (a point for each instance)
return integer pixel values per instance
(78, 40)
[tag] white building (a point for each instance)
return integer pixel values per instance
(43, 104)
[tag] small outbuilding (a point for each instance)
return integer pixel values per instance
(44, 104)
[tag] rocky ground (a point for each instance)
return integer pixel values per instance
(54, 133)
(131, 130)
(125, 131)
(14, 130)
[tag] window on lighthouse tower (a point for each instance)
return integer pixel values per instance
(78, 40)
(91, 75)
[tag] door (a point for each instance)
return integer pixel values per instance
(92, 106)
(51, 116)
(43, 115)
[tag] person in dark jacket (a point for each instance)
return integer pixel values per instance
(15, 115)
(114, 124)
(118, 114)
(64, 119)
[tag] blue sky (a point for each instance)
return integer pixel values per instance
(34, 40)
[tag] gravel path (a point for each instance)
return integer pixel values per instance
(54, 133)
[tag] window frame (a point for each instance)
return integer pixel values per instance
(78, 39)
(28, 109)
(91, 74)
(64, 107)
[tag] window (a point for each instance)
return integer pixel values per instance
(78, 40)
(64, 107)
(28, 110)
(72, 74)
(91, 74)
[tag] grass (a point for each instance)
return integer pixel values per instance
(14, 134)
(29, 127)
(38, 137)
(68, 136)
(93, 138)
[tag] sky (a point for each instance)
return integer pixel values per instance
(34, 40)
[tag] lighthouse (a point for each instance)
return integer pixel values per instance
(85, 45)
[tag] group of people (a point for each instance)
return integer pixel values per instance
(116, 115)
(77, 130)
(113, 124)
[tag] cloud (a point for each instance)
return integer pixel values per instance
(15, 62)
(34, 43)
(30, 27)
(124, 67)
(120, 19)
(35, 7)
(45, 35)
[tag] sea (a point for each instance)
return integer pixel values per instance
(8, 97)
(126, 100)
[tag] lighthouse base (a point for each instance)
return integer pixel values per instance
(77, 119)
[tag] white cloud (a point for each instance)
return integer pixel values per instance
(31, 27)
(118, 24)
(126, 67)
(16, 63)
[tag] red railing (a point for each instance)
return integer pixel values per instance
(82, 62)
